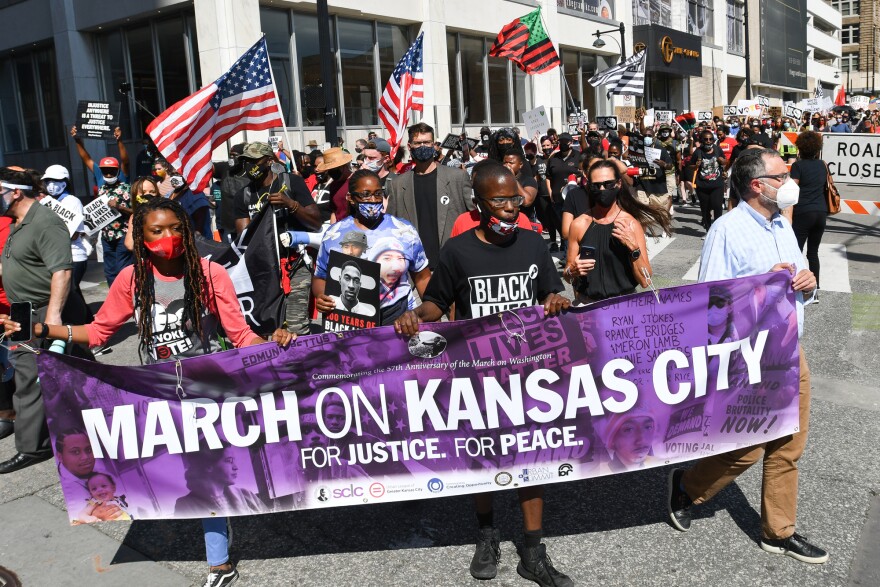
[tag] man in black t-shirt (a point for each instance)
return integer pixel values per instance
(295, 210)
(473, 272)
(562, 164)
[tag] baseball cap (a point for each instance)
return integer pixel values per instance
(382, 145)
(354, 237)
(56, 172)
(109, 162)
(257, 150)
(565, 136)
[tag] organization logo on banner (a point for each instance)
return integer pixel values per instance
(564, 470)
(503, 478)
(536, 474)
(377, 490)
(435, 485)
(491, 294)
(322, 493)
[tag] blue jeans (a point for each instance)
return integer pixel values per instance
(116, 258)
(216, 540)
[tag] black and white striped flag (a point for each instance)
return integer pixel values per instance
(819, 92)
(628, 77)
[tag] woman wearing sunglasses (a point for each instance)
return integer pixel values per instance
(607, 253)
(388, 240)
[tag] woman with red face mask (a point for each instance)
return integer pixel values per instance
(188, 299)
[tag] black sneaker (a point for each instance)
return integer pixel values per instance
(535, 565)
(484, 565)
(678, 504)
(219, 578)
(797, 547)
(554, 247)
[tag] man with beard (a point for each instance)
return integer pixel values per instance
(752, 239)
(430, 196)
(296, 210)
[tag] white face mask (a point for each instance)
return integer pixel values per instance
(111, 180)
(55, 188)
(787, 194)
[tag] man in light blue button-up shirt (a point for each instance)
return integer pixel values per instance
(750, 240)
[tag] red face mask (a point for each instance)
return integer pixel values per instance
(167, 247)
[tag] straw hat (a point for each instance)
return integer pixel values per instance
(333, 158)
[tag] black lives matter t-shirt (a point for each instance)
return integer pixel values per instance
(483, 279)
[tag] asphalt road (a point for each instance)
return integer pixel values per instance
(607, 531)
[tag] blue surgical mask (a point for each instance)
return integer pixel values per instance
(370, 210)
(649, 141)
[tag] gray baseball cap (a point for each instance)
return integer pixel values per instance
(354, 237)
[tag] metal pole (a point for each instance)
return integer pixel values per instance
(622, 42)
(328, 76)
(747, 52)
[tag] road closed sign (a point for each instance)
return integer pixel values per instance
(852, 158)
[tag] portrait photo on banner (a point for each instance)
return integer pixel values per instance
(353, 283)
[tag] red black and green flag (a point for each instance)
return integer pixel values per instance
(526, 43)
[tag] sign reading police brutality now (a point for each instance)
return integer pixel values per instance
(97, 120)
(852, 158)
(507, 400)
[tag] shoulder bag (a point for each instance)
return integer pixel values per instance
(832, 196)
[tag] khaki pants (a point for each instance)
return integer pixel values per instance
(654, 200)
(779, 487)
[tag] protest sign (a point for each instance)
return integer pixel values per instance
(852, 157)
(748, 108)
(664, 116)
(636, 151)
(652, 154)
(577, 121)
(73, 219)
(97, 214)
(763, 101)
(625, 114)
(648, 120)
(704, 116)
(353, 283)
(730, 110)
(810, 104)
(273, 142)
(536, 121)
(96, 120)
(717, 111)
(791, 111)
(859, 102)
(453, 141)
(607, 122)
(508, 400)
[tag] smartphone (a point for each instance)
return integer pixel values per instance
(22, 312)
(588, 252)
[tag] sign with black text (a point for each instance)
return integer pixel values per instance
(98, 214)
(607, 122)
(70, 217)
(96, 120)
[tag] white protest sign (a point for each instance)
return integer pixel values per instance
(764, 101)
(809, 104)
(649, 118)
(273, 142)
(606, 122)
(730, 110)
(664, 116)
(70, 217)
(536, 121)
(704, 115)
(748, 108)
(652, 154)
(852, 158)
(826, 104)
(98, 214)
(859, 102)
(790, 110)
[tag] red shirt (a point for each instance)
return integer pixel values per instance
(5, 223)
(727, 146)
(469, 220)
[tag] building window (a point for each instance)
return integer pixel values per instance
(849, 34)
(652, 12)
(577, 69)
(491, 90)
(159, 58)
(699, 19)
(849, 62)
(30, 110)
(847, 7)
(736, 27)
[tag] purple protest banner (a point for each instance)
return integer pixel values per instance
(498, 402)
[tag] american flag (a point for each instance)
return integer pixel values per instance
(243, 98)
(402, 94)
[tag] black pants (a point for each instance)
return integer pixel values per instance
(547, 216)
(808, 228)
(711, 200)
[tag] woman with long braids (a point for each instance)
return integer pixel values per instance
(179, 301)
(607, 253)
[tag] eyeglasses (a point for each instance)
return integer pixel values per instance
(783, 177)
(603, 185)
(501, 202)
(717, 302)
(367, 196)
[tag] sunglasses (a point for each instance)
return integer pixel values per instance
(603, 185)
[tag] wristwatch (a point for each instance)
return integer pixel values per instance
(634, 255)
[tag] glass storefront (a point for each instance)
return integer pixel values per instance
(30, 112)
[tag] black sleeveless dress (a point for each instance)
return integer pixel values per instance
(613, 273)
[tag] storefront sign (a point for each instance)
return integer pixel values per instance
(670, 51)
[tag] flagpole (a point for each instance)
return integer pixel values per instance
(561, 72)
(280, 109)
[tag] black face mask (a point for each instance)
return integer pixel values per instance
(256, 172)
(308, 170)
(564, 146)
(547, 151)
(335, 173)
(605, 198)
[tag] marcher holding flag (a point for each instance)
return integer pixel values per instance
(168, 276)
